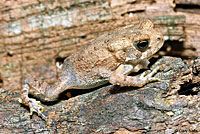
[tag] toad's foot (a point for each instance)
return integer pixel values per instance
(146, 78)
(35, 106)
(120, 77)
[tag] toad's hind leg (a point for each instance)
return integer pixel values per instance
(41, 89)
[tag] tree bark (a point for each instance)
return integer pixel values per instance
(169, 106)
(37, 35)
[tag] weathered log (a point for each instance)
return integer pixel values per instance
(169, 106)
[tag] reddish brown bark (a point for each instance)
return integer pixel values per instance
(34, 35)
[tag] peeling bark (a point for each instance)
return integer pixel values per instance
(35, 34)
(116, 110)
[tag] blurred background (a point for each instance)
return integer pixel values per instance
(37, 35)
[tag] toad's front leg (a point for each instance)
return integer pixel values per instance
(120, 77)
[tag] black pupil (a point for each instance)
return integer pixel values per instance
(142, 45)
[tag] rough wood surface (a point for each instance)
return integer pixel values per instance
(36, 35)
(169, 106)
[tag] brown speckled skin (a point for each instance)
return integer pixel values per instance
(109, 58)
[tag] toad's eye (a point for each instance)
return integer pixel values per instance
(141, 45)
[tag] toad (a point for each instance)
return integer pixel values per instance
(110, 58)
